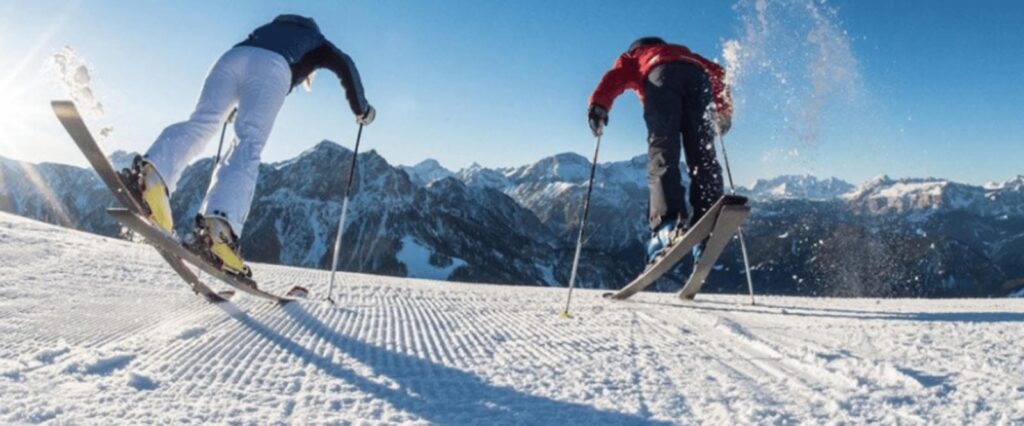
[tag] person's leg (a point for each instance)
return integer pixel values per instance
(263, 90)
(699, 141)
(180, 143)
(662, 112)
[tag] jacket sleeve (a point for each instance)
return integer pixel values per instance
(340, 64)
(624, 75)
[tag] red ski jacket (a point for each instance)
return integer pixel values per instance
(632, 67)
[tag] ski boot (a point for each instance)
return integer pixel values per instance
(215, 242)
(661, 239)
(148, 188)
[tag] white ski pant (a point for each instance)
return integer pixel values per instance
(257, 82)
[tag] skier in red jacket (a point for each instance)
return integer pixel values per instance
(684, 94)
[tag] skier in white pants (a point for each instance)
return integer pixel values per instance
(255, 76)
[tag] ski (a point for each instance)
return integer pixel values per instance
(72, 121)
(162, 241)
(729, 205)
(729, 221)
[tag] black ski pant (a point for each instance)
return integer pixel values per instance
(677, 96)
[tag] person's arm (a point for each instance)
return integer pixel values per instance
(330, 57)
(723, 97)
(624, 75)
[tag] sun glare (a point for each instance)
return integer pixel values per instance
(24, 109)
(20, 120)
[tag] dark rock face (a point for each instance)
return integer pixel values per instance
(807, 236)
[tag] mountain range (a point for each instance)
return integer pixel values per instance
(517, 225)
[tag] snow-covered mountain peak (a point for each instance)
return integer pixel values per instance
(632, 172)
(427, 171)
(328, 158)
(564, 167)
(1015, 184)
(316, 153)
(323, 146)
(868, 185)
(886, 187)
(799, 187)
(477, 175)
(927, 195)
(430, 165)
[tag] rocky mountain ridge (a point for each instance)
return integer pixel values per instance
(517, 225)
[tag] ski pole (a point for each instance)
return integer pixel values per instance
(223, 130)
(220, 146)
(344, 209)
(743, 243)
(583, 224)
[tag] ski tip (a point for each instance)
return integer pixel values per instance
(608, 295)
(64, 109)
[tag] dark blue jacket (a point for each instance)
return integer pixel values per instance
(300, 41)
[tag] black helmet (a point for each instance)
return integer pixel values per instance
(301, 21)
(645, 41)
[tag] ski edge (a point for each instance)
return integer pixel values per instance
(729, 221)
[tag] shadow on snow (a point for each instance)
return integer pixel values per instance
(799, 311)
(431, 391)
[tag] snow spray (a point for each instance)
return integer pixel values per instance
(75, 77)
(791, 62)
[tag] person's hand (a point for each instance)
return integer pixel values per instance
(367, 117)
(597, 117)
(724, 123)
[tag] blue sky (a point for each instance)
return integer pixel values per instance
(938, 85)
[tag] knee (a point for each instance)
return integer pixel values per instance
(251, 134)
(658, 165)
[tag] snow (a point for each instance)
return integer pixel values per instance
(804, 187)
(75, 77)
(96, 330)
(901, 190)
(478, 176)
(427, 171)
(792, 60)
(416, 258)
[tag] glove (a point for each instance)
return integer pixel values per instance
(723, 112)
(597, 117)
(724, 123)
(367, 117)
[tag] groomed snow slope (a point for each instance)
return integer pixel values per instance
(94, 330)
